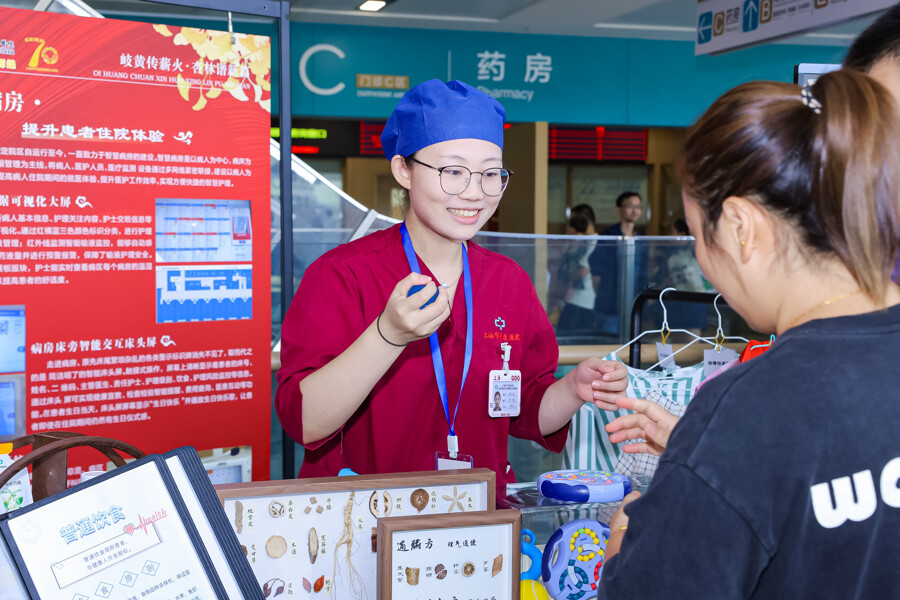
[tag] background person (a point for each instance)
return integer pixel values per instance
(794, 199)
(605, 262)
(629, 206)
(577, 316)
(877, 52)
(558, 289)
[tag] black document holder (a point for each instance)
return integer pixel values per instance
(196, 507)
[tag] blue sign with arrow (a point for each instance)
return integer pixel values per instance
(705, 28)
(751, 15)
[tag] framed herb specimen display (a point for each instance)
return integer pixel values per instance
(468, 556)
(318, 537)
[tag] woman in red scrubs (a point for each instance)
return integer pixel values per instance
(380, 374)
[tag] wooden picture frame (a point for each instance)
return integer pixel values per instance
(463, 555)
(320, 535)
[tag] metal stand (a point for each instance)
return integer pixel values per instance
(49, 457)
(277, 9)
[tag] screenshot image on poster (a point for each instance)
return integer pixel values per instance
(12, 339)
(12, 371)
(203, 236)
(203, 231)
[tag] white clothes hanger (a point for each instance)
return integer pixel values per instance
(720, 335)
(664, 330)
(717, 341)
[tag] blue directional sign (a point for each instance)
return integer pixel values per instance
(751, 15)
(705, 28)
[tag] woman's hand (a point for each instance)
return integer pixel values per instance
(600, 382)
(403, 319)
(619, 520)
(650, 421)
(618, 524)
(594, 380)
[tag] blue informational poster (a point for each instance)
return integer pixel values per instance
(12, 339)
(7, 408)
(220, 293)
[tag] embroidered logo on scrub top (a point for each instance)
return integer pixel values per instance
(501, 337)
(499, 322)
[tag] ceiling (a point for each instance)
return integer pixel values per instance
(645, 19)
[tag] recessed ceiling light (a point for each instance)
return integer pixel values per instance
(372, 5)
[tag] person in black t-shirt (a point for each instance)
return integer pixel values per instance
(876, 52)
(781, 480)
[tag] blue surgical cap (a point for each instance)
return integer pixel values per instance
(435, 111)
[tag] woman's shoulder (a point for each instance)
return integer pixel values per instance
(367, 248)
(367, 258)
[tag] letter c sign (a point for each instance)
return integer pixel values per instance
(304, 59)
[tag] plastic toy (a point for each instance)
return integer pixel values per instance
(419, 287)
(574, 558)
(584, 486)
(531, 551)
(530, 589)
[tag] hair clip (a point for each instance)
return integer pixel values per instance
(810, 101)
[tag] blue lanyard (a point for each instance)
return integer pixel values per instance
(436, 358)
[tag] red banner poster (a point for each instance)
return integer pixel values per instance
(134, 217)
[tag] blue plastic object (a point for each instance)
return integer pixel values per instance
(416, 288)
(345, 472)
(584, 486)
(574, 558)
(531, 551)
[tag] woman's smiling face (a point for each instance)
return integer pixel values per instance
(453, 216)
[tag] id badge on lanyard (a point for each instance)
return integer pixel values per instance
(505, 389)
(452, 458)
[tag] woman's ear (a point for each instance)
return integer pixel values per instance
(742, 227)
(401, 171)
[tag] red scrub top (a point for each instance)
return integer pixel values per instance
(401, 424)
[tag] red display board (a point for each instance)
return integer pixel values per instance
(134, 228)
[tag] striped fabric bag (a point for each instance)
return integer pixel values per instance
(588, 446)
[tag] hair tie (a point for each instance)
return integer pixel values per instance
(810, 101)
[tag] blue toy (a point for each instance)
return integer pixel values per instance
(574, 559)
(584, 486)
(531, 551)
(419, 287)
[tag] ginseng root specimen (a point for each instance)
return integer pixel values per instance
(354, 579)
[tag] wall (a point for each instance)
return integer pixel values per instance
(607, 81)
(593, 80)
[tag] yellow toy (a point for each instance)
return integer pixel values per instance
(533, 590)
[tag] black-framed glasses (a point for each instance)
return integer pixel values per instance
(455, 178)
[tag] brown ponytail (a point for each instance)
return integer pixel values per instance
(832, 175)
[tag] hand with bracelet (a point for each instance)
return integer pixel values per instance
(618, 525)
(403, 319)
